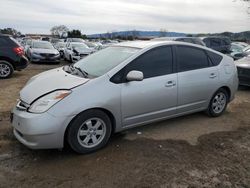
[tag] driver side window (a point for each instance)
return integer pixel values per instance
(153, 63)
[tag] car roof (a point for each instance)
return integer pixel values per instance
(5, 35)
(147, 44)
(173, 38)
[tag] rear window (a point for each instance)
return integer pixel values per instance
(190, 58)
(215, 58)
(3, 42)
(215, 42)
(8, 41)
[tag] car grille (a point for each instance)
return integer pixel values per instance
(47, 55)
(22, 106)
(83, 55)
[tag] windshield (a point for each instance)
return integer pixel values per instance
(103, 61)
(90, 45)
(61, 44)
(43, 45)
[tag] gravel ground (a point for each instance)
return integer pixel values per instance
(190, 151)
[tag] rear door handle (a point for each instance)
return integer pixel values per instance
(170, 83)
(212, 75)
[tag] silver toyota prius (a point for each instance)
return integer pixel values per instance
(120, 87)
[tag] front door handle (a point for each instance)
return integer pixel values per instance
(212, 75)
(170, 83)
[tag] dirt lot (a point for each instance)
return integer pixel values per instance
(191, 151)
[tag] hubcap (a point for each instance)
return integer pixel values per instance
(219, 103)
(91, 132)
(4, 70)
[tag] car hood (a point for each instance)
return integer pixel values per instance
(48, 81)
(84, 50)
(244, 62)
(46, 51)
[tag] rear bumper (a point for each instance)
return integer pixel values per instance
(22, 64)
(244, 76)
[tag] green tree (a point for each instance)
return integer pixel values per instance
(10, 31)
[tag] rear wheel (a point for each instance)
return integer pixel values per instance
(89, 131)
(6, 69)
(218, 103)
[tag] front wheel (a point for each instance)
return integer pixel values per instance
(89, 131)
(218, 103)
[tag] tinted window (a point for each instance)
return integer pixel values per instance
(190, 58)
(215, 42)
(215, 58)
(156, 62)
(3, 42)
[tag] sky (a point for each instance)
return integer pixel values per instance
(100, 16)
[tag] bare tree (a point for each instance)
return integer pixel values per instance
(135, 34)
(60, 30)
(163, 32)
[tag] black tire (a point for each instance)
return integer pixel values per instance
(73, 131)
(6, 69)
(71, 60)
(215, 111)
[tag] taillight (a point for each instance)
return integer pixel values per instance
(19, 51)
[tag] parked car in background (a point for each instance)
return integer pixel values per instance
(45, 39)
(193, 40)
(238, 51)
(56, 40)
(243, 66)
(43, 51)
(93, 45)
(60, 46)
(74, 40)
(12, 56)
(122, 86)
(74, 51)
(243, 44)
(26, 45)
(220, 44)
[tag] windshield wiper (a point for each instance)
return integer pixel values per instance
(84, 73)
(72, 68)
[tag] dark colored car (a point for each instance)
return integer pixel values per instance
(192, 40)
(220, 44)
(243, 66)
(11, 56)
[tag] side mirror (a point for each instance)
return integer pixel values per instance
(134, 76)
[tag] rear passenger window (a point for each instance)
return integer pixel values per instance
(190, 58)
(215, 58)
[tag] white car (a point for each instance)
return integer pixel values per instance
(75, 51)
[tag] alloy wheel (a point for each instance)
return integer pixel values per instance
(91, 132)
(5, 70)
(219, 102)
